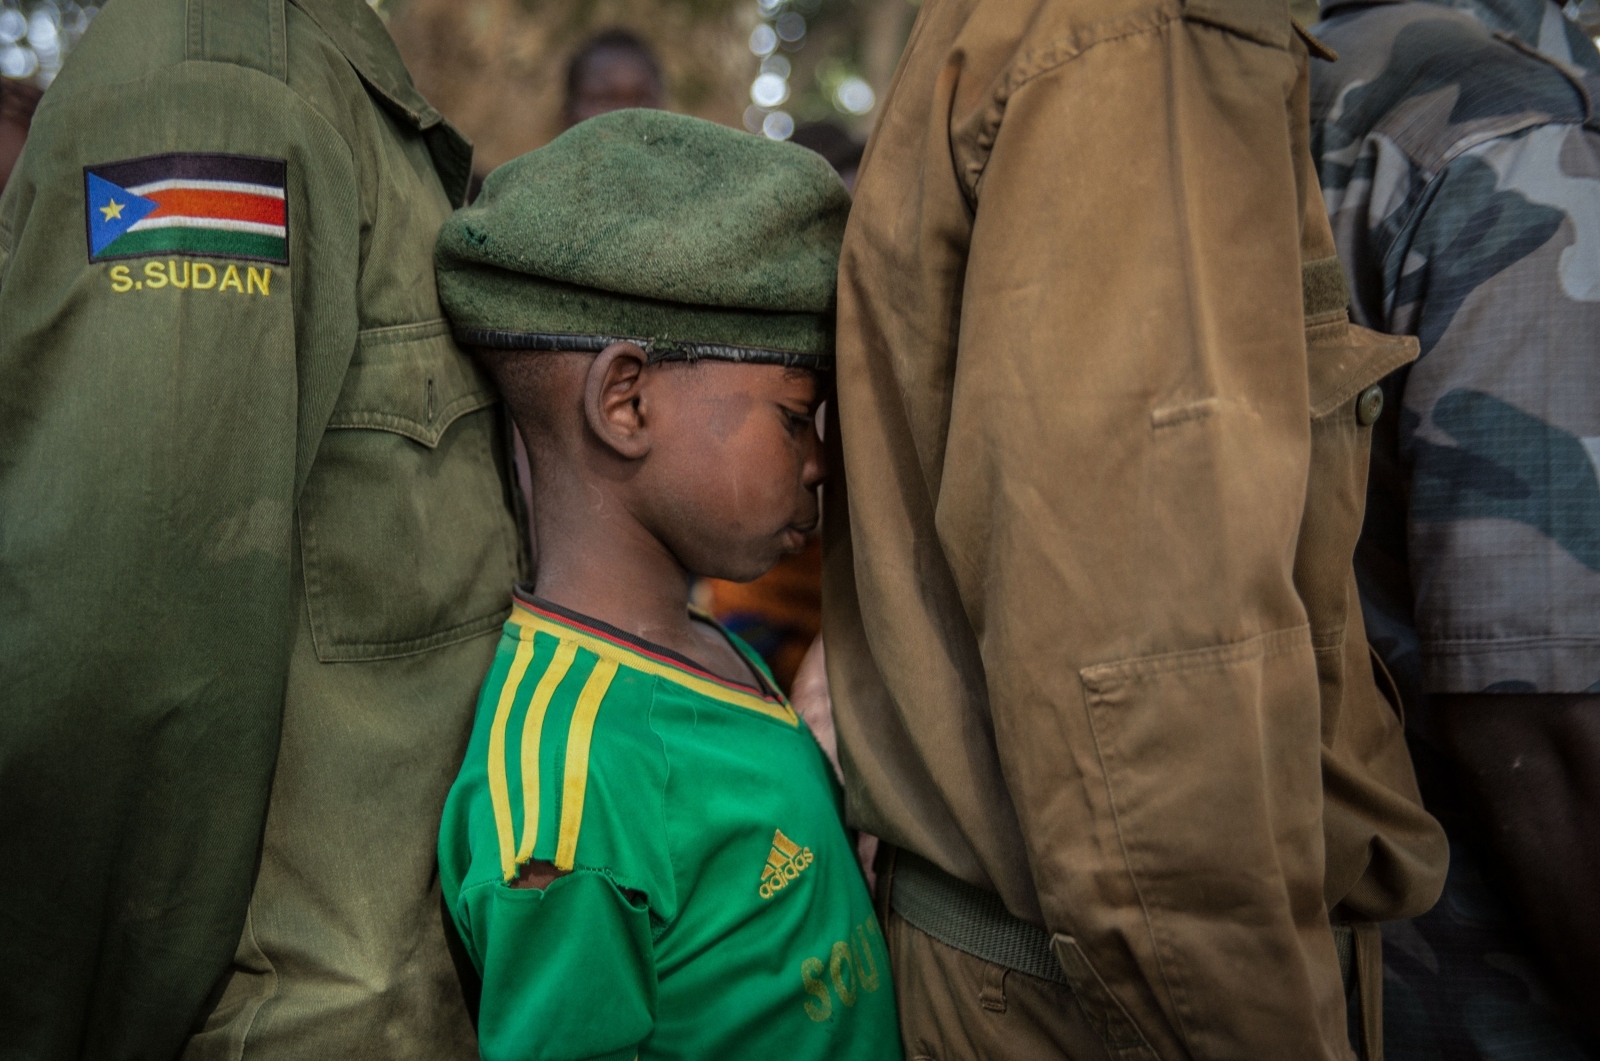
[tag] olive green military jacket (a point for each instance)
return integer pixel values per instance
(1103, 426)
(254, 538)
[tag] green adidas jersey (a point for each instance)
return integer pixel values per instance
(714, 909)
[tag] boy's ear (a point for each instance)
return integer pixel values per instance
(613, 400)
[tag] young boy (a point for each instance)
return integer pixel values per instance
(643, 851)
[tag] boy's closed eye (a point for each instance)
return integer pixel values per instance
(798, 420)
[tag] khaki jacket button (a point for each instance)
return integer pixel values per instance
(1369, 406)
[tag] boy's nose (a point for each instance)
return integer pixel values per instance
(816, 466)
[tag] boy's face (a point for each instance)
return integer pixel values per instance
(736, 464)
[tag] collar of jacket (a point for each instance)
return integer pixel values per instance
(361, 37)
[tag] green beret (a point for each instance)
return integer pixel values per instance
(692, 239)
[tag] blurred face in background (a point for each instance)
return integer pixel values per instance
(612, 79)
(17, 102)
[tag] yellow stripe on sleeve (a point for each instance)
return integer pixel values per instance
(499, 794)
(532, 623)
(575, 783)
(532, 728)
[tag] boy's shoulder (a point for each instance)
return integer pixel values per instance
(562, 751)
(580, 728)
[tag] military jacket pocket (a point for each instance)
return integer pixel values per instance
(1215, 799)
(1384, 855)
(1345, 363)
(405, 535)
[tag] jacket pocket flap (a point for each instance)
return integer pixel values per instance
(412, 380)
(1345, 359)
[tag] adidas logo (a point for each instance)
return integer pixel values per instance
(786, 861)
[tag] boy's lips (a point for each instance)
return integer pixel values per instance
(794, 536)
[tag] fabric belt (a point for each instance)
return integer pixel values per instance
(1344, 941)
(976, 922)
(970, 919)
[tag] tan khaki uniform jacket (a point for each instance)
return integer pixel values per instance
(1093, 636)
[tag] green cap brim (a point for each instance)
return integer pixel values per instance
(500, 310)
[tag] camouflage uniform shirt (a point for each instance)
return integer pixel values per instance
(1459, 155)
(1460, 160)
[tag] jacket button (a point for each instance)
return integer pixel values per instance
(1369, 406)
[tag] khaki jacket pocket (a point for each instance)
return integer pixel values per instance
(406, 538)
(1385, 855)
(1345, 364)
(1345, 359)
(1210, 759)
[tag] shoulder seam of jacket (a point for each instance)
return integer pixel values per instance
(1512, 125)
(164, 69)
(272, 59)
(1454, 154)
(984, 126)
(1571, 74)
(1449, 156)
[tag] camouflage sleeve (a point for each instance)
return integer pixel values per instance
(1497, 433)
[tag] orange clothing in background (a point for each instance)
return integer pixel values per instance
(779, 614)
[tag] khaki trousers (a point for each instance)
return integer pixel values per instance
(956, 1007)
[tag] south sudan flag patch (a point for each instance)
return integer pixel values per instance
(210, 205)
